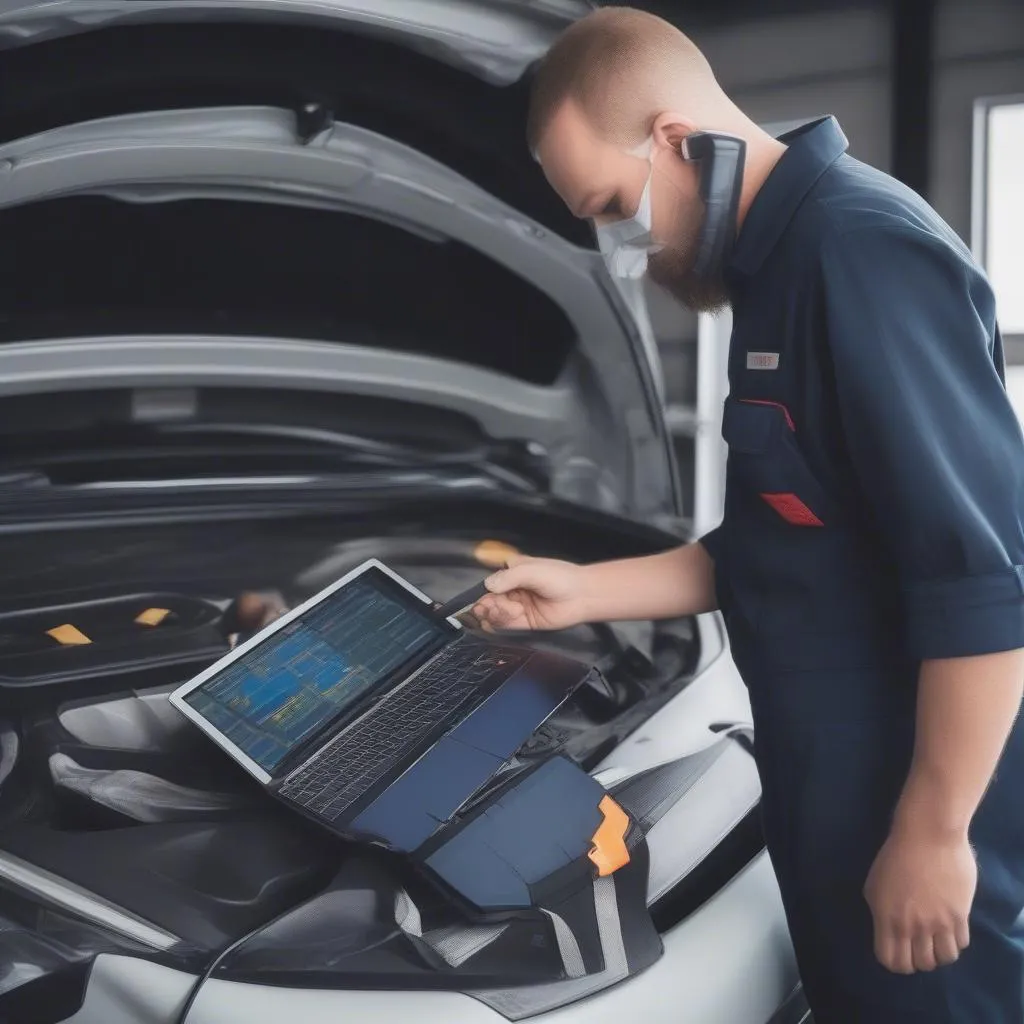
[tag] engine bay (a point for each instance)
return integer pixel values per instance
(108, 614)
(103, 784)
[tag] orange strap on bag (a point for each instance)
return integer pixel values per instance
(609, 852)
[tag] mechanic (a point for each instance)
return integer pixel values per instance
(870, 564)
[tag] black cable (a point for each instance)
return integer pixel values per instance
(205, 976)
(219, 959)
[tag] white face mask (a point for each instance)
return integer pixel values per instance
(626, 244)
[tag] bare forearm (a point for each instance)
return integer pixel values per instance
(663, 586)
(965, 710)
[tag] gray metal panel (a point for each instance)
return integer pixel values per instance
(496, 41)
(505, 408)
(21, 875)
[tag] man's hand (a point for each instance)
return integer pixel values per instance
(920, 890)
(542, 593)
(923, 881)
(534, 593)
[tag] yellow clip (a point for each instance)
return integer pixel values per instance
(493, 554)
(152, 616)
(68, 635)
(609, 852)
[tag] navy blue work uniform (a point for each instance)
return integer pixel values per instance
(873, 519)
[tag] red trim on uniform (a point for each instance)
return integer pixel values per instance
(792, 509)
(774, 405)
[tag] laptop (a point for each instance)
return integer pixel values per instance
(371, 712)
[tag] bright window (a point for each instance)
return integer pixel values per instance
(999, 205)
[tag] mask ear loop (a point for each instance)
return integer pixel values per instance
(646, 151)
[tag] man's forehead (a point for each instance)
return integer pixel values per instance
(574, 159)
(568, 129)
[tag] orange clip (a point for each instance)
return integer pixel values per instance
(152, 616)
(68, 635)
(609, 852)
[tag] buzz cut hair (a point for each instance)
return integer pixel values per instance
(616, 65)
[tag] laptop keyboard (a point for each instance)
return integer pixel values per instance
(361, 756)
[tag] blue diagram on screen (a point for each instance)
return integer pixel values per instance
(304, 675)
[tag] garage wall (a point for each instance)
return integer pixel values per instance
(798, 67)
(838, 62)
(979, 51)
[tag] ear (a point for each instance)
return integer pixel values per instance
(670, 128)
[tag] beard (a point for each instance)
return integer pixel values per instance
(672, 269)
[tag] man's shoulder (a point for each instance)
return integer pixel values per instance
(856, 205)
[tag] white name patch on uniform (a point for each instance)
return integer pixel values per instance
(762, 360)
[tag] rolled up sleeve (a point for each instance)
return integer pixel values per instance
(713, 542)
(934, 443)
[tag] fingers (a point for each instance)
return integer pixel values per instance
(961, 933)
(499, 612)
(893, 950)
(272, 614)
(947, 947)
(518, 575)
(922, 947)
(904, 949)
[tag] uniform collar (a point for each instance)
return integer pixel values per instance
(811, 150)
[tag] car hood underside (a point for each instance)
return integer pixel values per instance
(495, 39)
(564, 366)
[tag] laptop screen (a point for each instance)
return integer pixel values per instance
(318, 666)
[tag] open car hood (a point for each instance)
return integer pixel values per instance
(599, 418)
(494, 39)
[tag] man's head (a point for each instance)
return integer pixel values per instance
(611, 104)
